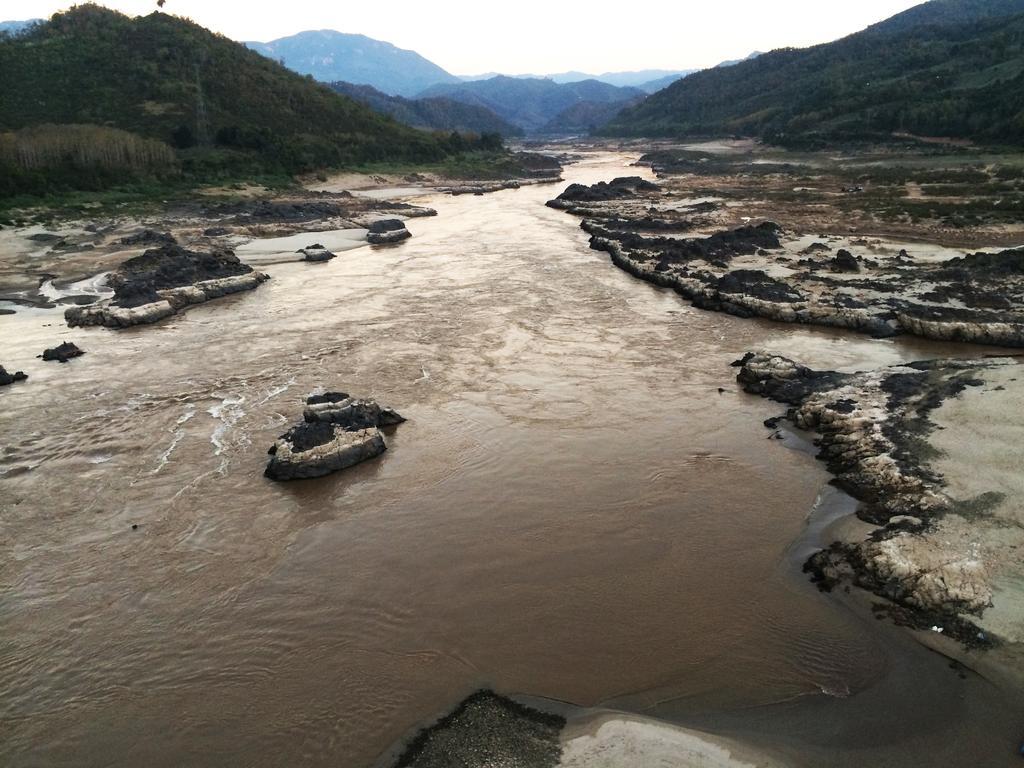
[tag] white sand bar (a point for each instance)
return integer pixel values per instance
(622, 741)
(274, 250)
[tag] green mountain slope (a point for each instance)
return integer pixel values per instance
(166, 78)
(949, 68)
(583, 117)
(437, 113)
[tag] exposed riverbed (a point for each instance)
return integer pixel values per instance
(573, 511)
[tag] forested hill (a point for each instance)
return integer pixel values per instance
(437, 113)
(166, 78)
(948, 68)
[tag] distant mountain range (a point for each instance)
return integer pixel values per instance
(331, 56)
(436, 113)
(637, 79)
(532, 103)
(946, 68)
(14, 27)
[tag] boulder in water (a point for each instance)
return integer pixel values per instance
(63, 353)
(9, 378)
(337, 432)
(316, 253)
(387, 231)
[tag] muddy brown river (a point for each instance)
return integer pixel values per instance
(573, 511)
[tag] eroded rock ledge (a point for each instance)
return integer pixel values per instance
(934, 556)
(337, 432)
(761, 270)
(163, 281)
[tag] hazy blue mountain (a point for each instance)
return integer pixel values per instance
(653, 86)
(635, 79)
(331, 56)
(531, 103)
(947, 68)
(14, 27)
(734, 62)
(437, 113)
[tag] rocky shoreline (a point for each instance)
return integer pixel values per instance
(942, 560)
(764, 271)
(937, 558)
(163, 281)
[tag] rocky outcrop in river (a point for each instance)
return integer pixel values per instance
(387, 231)
(936, 557)
(66, 351)
(337, 432)
(9, 378)
(316, 253)
(161, 282)
(764, 271)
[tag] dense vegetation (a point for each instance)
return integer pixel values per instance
(532, 103)
(226, 110)
(948, 68)
(335, 56)
(95, 157)
(437, 113)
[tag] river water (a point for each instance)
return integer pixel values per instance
(572, 511)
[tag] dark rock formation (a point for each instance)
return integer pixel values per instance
(46, 237)
(386, 231)
(316, 253)
(149, 237)
(9, 378)
(276, 211)
(63, 353)
(814, 248)
(845, 262)
(616, 189)
(873, 430)
(892, 301)
(337, 432)
(538, 166)
(480, 189)
(342, 410)
(164, 280)
(488, 730)
(138, 280)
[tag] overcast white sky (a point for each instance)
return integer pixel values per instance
(537, 36)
